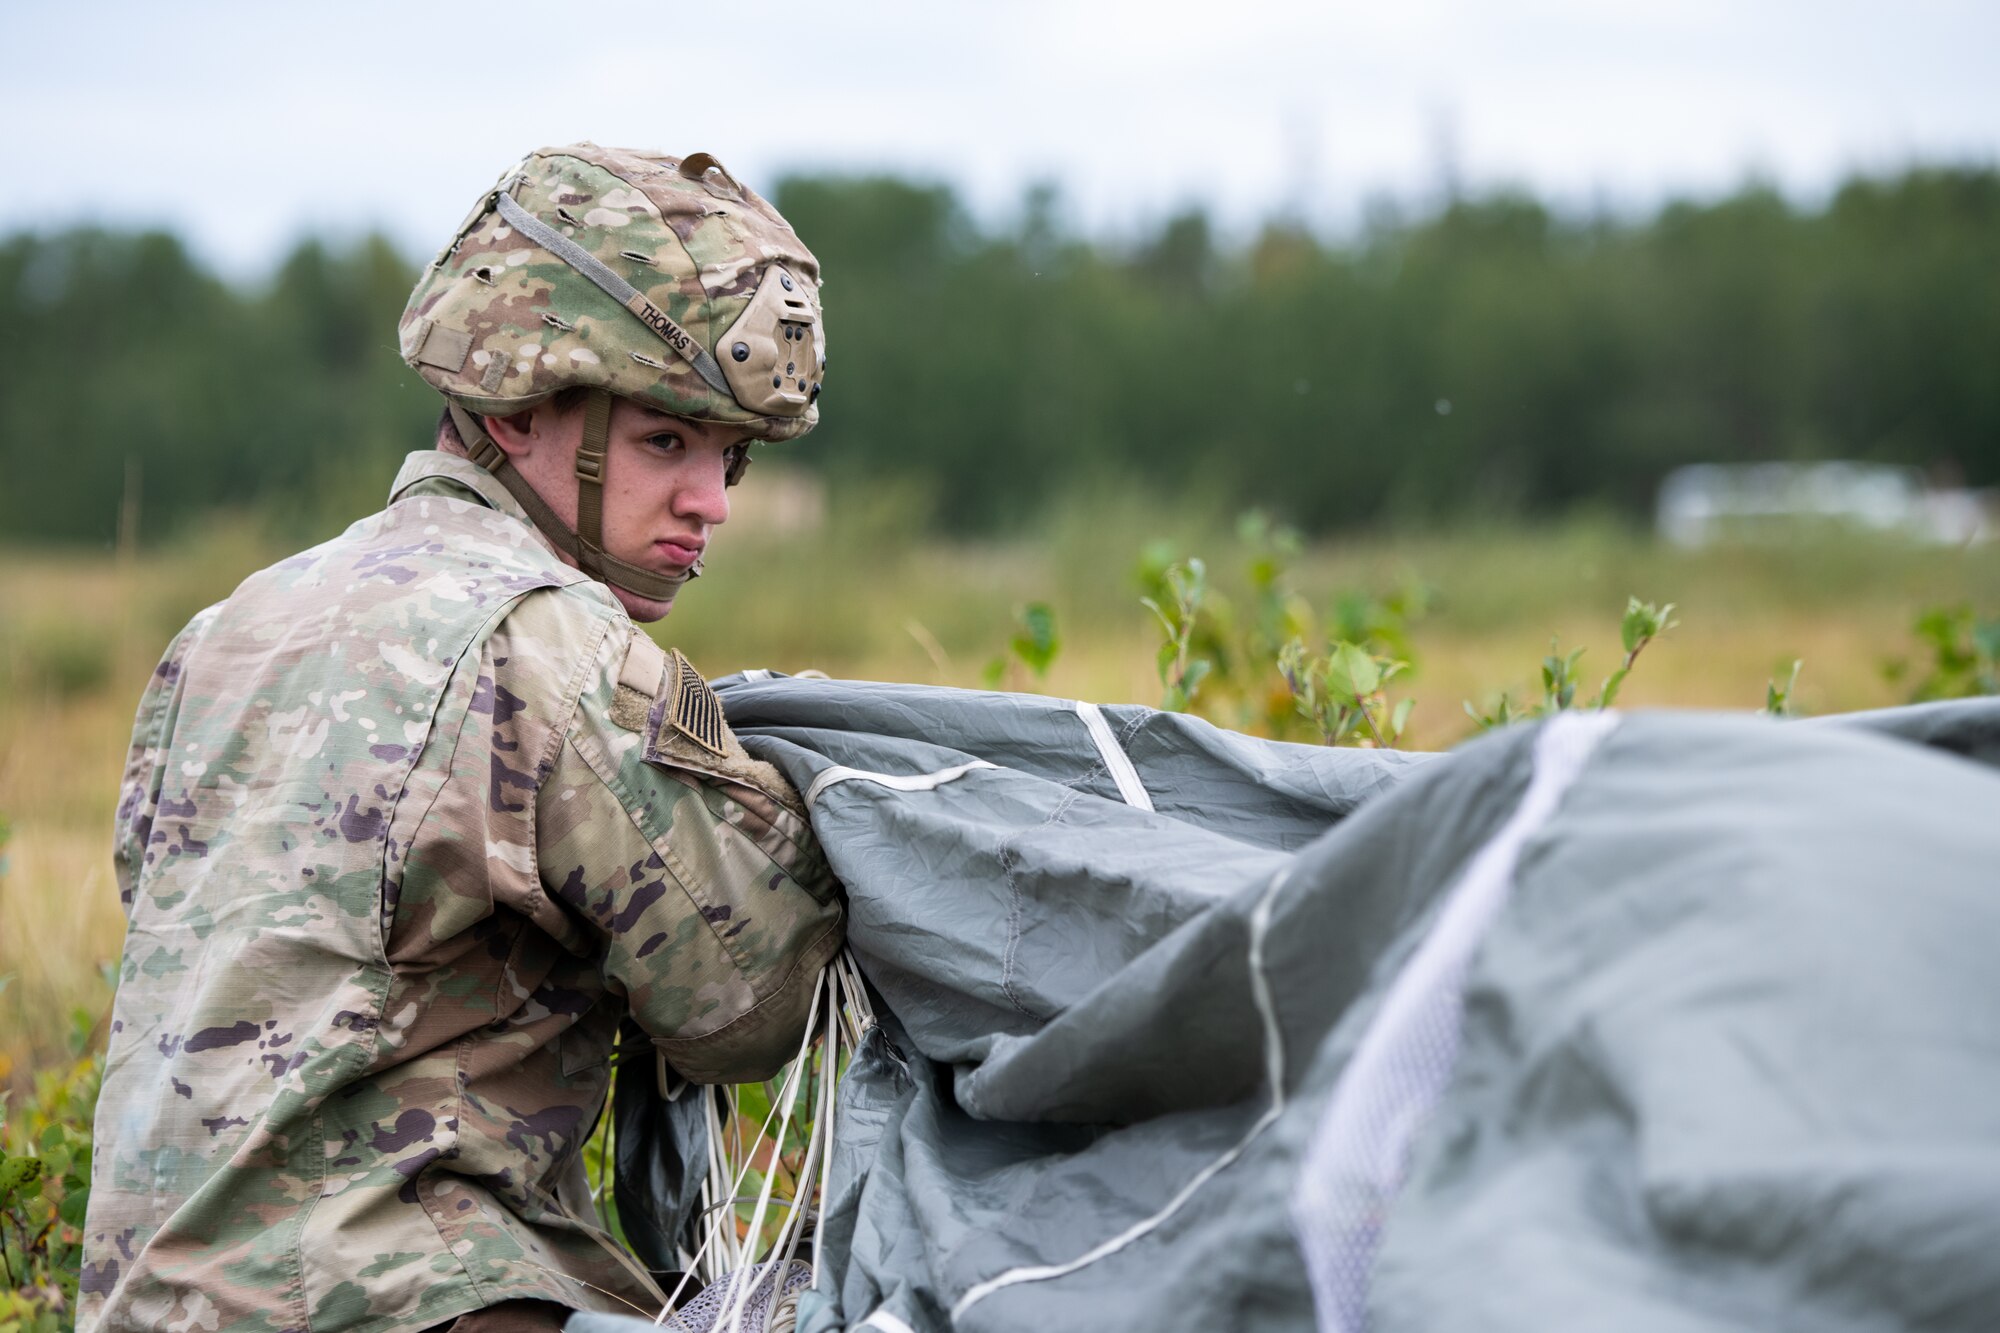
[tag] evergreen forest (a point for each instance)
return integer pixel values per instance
(1491, 360)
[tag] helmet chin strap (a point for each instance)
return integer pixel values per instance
(585, 543)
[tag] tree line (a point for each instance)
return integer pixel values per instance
(1494, 358)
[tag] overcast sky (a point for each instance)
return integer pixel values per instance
(244, 125)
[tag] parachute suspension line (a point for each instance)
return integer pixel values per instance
(748, 1285)
(721, 1192)
(747, 1276)
(855, 1010)
(819, 1146)
(1274, 1072)
(893, 781)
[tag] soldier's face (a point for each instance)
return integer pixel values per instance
(665, 482)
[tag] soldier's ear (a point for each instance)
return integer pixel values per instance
(519, 435)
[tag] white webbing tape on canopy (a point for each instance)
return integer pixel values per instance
(1116, 761)
(886, 1322)
(1355, 1164)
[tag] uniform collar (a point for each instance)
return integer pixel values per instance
(435, 465)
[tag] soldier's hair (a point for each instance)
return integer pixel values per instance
(448, 439)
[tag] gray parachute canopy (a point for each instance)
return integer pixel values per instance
(1655, 1022)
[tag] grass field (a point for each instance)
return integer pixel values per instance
(860, 594)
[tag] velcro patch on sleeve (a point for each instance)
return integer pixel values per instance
(639, 681)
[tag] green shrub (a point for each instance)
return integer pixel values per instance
(44, 1189)
(61, 658)
(1962, 651)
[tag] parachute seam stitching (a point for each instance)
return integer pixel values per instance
(1019, 911)
(1008, 858)
(1274, 1062)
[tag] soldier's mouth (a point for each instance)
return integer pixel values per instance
(679, 551)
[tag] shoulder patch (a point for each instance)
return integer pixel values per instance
(694, 711)
(689, 732)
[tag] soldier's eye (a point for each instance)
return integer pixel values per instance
(665, 441)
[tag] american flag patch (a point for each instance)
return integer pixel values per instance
(695, 712)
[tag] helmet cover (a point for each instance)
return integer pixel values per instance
(659, 279)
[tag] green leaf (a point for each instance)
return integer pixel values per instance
(1778, 698)
(1293, 668)
(17, 1177)
(1559, 679)
(1037, 643)
(1611, 684)
(1643, 621)
(1351, 672)
(1502, 714)
(1197, 672)
(1400, 718)
(753, 1102)
(1938, 625)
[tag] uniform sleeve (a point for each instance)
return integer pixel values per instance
(139, 788)
(698, 870)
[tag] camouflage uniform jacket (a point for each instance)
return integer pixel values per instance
(409, 822)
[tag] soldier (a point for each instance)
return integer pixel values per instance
(415, 817)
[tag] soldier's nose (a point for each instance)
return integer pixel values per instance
(704, 496)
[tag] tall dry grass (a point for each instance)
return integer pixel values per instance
(851, 586)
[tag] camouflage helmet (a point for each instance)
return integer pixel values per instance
(659, 279)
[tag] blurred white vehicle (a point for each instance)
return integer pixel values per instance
(1710, 502)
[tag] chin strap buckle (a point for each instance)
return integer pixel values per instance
(487, 454)
(479, 446)
(584, 544)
